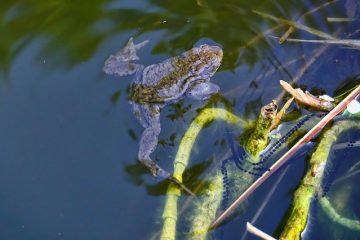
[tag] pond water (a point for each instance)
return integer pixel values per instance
(68, 138)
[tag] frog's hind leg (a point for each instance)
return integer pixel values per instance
(149, 117)
(140, 112)
(120, 63)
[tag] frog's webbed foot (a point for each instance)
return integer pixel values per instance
(128, 53)
(180, 184)
(161, 174)
(155, 169)
(149, 117)
(202, 91)
(121, 63)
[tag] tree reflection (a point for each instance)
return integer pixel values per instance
(75, 29)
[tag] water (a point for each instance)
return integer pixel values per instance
(69, 141)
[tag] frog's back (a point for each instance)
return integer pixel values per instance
(168, 81)
(161, 82)
(154, 73)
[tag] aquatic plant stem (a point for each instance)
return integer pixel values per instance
(258, 140)
(316, 129)
(336, 217)
(207, 205)
(348, 42)
(310, 184)
(206, 116)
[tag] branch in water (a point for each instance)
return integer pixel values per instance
(206, 116)
(313, 132)
(307, 99)
(354, 43)
(258, 232)
(310, 184)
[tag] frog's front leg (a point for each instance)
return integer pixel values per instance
(121, 63)
(149, 117)
(202, 91)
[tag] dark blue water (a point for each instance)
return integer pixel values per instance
(68, 138)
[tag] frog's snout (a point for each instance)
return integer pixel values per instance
(219, 52)
(212, 50)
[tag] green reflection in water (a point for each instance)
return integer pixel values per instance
(67, 25)
(74, 29)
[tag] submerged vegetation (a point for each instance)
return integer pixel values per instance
(207, 204)
(311, 184)
(257, 151)
(181, 161)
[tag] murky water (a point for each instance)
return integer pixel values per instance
(68, 138)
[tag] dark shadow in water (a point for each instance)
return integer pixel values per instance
(178, 110)
(346, 86)
(191, 177)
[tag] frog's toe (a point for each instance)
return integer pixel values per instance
(162, 174)
(155, 170)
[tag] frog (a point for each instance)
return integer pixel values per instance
(155, 86)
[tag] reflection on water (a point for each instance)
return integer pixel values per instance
(69, 141)
(77, 31)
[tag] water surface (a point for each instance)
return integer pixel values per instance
(68, 139)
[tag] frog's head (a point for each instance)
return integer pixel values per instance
(209, 60)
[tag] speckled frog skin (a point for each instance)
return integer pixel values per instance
(154, 86)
